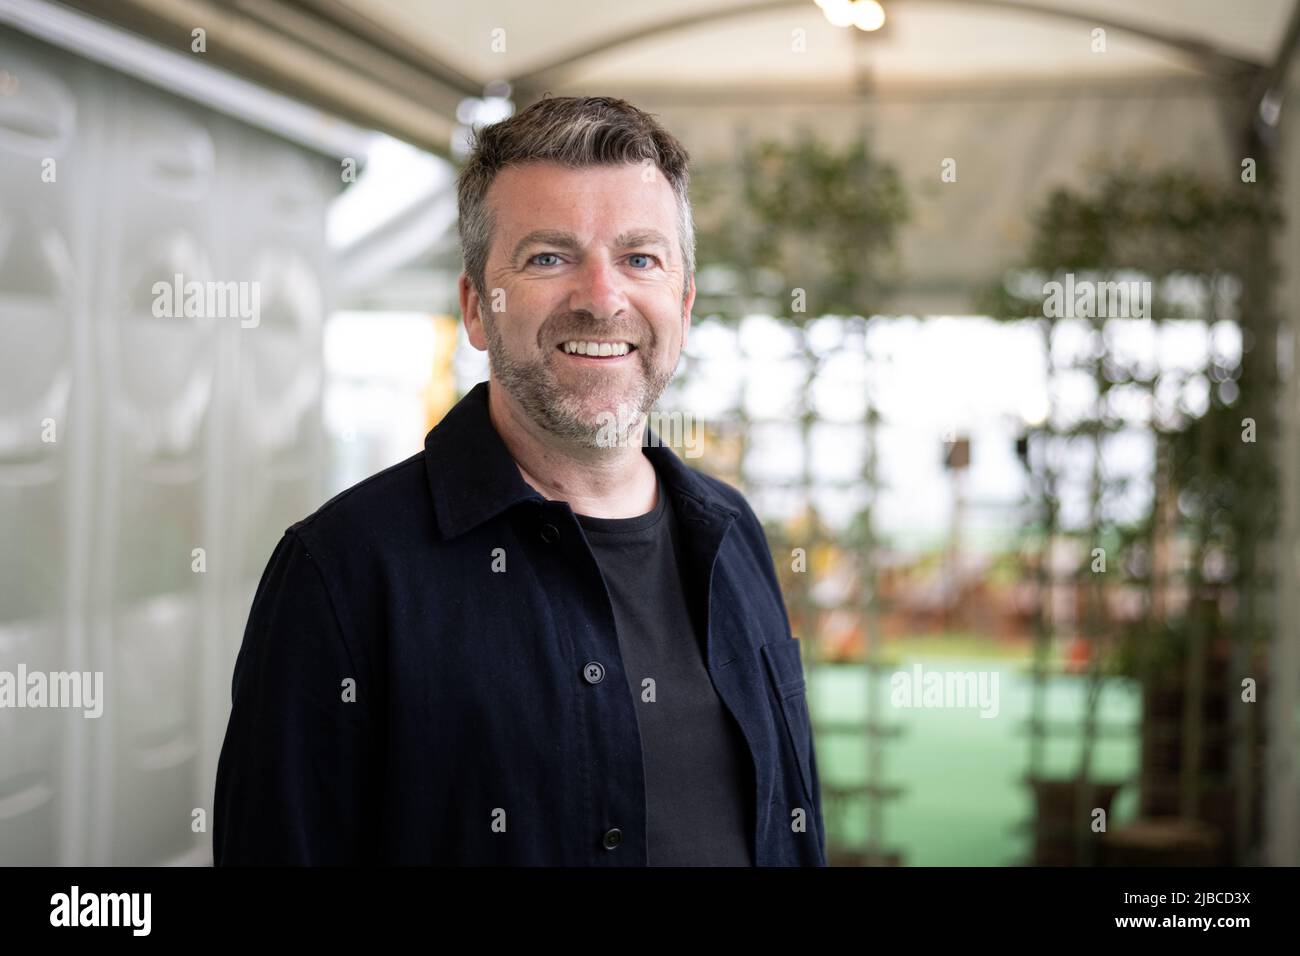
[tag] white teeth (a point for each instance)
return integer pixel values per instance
(597, 348)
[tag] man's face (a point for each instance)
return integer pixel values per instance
(586, 256)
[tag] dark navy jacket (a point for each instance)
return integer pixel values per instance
(399, 698)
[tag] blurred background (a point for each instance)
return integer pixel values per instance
(1092, 512)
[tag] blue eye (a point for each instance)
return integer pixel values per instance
(642, 255)
(543, 255)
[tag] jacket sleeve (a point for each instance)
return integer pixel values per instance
(774, 582)
(817, 795)
(296, 776)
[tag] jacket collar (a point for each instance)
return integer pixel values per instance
(473, 478)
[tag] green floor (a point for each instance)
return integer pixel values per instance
(963, 801)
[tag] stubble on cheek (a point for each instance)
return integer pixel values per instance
(577, 403)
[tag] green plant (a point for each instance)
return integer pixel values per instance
(799, 215)
(1202, 247)
(1196, 242)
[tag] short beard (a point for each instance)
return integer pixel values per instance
(536, 389)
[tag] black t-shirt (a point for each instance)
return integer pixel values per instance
(697, 767)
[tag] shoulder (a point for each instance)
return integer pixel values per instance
(749, 553)
(732, 499)
(340, 555)
(372, 511)
(728, 498)
(368, 524)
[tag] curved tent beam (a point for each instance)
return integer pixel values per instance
(1274, 75)
(1208, 57)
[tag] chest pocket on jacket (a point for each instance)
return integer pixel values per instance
(785, 671)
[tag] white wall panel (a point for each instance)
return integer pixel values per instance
(174, 432)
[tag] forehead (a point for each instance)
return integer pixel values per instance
(595, 201)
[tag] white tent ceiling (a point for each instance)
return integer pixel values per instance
(403, 66)
(1014, 90)
(924, 40)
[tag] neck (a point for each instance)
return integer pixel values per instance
(616, 482)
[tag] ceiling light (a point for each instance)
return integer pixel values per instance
(866, 15)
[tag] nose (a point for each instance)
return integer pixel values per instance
(598, 290)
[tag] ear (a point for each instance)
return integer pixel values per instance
(471, 313)
(686, 311)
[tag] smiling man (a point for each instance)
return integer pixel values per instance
(542, 640)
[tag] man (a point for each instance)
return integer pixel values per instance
(541, 641)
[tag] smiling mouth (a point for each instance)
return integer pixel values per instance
(581, 348)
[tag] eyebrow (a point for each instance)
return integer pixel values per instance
(569, 242)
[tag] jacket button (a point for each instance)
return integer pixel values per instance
(613, 838)
(594, 672)
(550, 533)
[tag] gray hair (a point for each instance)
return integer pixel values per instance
(575, 131)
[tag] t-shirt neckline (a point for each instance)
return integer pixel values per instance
(625, 525)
